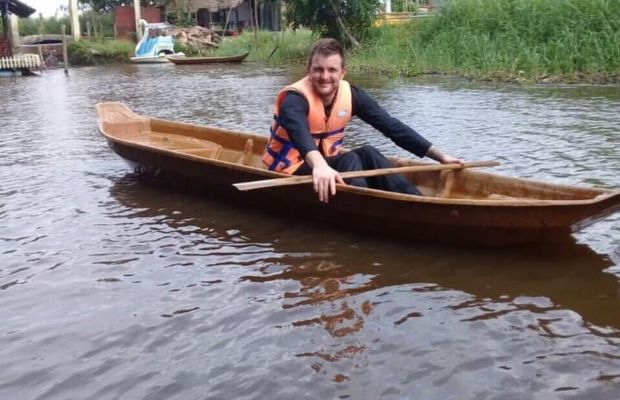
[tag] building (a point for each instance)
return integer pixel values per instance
(9, 10)
(125, 20)
(426, 5)
(235, 15)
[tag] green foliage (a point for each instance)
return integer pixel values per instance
(92, 52)
(188, 50)
(101, 25)
(98, 25)
(182, 19)
(405, 5)
(103, 6)
(322, 16)
(40, 25)
(515, 40)
(503, 39)
(271, 48)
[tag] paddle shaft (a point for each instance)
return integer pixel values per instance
(297, 180)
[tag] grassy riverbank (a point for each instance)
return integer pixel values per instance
(508, 40)
(93, 52)
(265, 47)
(503, 40)
(274, 48)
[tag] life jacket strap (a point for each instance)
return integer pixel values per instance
(280, 157)
(336, 144)
(324, 135)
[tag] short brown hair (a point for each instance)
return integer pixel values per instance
(326, 47)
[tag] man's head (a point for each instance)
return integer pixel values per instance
(326, 47)
(326, 68)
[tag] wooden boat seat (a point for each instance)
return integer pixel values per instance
(120, 121)
(496, 196)
(205, 152)
(123, 123)
(178, 143)
(126, 129)
(136, 133)
(246, 157)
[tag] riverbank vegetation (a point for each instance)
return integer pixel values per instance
(536, 40)
(283, 48)
(503, 40)
(93, 52)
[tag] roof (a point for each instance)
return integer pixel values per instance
(18, 8)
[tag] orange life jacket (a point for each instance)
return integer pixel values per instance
(327, 132)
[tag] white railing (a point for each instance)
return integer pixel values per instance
(21, 61)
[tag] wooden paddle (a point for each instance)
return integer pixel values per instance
(297, 180)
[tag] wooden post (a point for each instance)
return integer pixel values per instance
(138, 15)
(5, 27)
(13, 33)
(75, 20)
(41, 57)
(255, 21)
(65, 57)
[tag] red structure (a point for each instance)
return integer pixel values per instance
(4, 47)
(125, 20)
(11, 7)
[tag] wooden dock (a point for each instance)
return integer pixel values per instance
(30, 61)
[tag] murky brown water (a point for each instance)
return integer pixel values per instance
(111, 288)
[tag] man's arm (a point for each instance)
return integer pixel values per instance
(436, 154)
(404, 136)
(324, 177)
(294, 118)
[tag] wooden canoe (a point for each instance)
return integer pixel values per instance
(463, 206)
(181, 60)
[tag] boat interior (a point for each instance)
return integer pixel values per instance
(120, 123)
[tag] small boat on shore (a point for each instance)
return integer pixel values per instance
(183, 60)
(462, 206)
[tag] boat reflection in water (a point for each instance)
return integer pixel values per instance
(366, 293)
(328, 263)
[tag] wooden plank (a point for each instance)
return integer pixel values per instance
(297, 180)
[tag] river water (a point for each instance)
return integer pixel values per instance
(114, 288)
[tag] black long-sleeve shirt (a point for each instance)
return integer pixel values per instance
(294, 118)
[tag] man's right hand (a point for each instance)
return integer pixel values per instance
(324, 177)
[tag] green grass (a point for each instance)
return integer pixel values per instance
(506, 40)
(266, 47)
(273, 48)
(503, 39)
(92, 52)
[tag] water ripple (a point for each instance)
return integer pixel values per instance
(114, 288)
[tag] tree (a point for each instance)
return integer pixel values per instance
(342, 19)
(104, 6)
(40, 26)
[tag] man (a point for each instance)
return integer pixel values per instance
(308, 129)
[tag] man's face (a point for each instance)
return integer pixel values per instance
(325, 75)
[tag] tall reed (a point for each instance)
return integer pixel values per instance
(502, 38)
(270, 47)
(100, 51)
